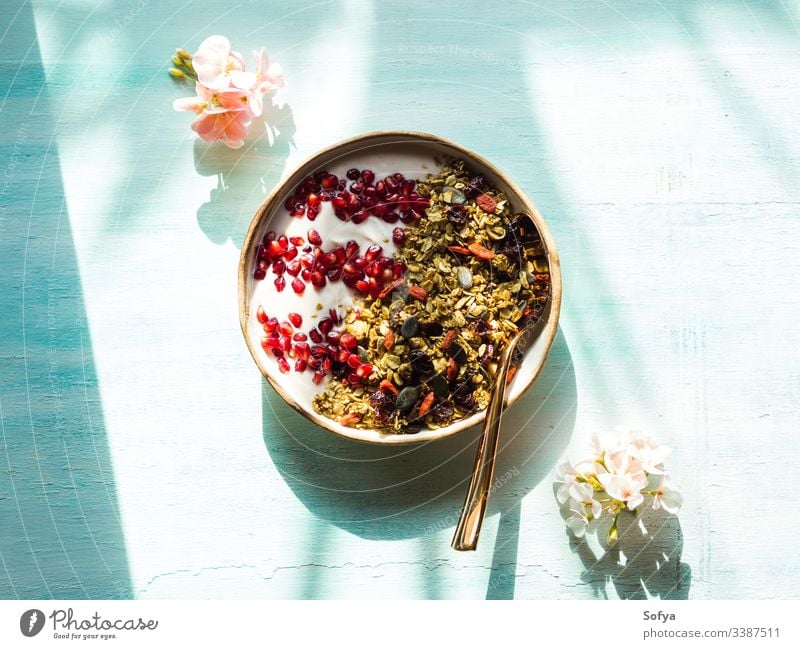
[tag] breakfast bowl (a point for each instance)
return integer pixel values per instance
(378, 281)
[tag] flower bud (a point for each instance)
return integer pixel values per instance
(183, 54)
(176, 60)
(178, 74)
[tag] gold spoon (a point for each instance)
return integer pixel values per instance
(469, 523)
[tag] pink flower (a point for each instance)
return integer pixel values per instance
(230, 128)
(224, 116)
(218, 67)
(268, 76)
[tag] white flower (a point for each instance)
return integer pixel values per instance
(604, 443)
(624, 478)
(650, 453)
(583, 493)
(623, 487)
(567, 474)
(666, 497)
(577, 524)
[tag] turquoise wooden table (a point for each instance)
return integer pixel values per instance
(141, 455)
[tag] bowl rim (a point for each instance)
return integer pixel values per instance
(369, 435)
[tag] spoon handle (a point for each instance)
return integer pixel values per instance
(471, 519)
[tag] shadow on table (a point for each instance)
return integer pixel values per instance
(388, 493)
(60, 530)
(244, 176)
(644, 563)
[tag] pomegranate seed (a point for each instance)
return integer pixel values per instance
(380, 188)
(364, 370)
(380, 209)
(334, 274)
(300, 337)
(328, 260)
(283, 365)
(391, 184)
(348, 341)
(329, 181)
(306, 274)
(300, 365)
(334, 315)
(314, 238)
(286, 343)
(398, 269)
(312, 213)
(351, 249)
(302, 350)
(406, 187)
(338, 202)
(296, 319)
(353, 173)
(280, 283)
(341, 255)
(313, 200)
(353, 378)
(261, 251)
(279, 266)
(297, 241)
(274, 249)
(327, 365)
(307, 262)
(318, 279)
(316, 336)
(287, 329)
(360, 263)
(271, 325)
(325, 325)
(391, 217)
(318, 377)
(291, 254)
(373, 252)
(353, 361)
(277, 352)
(356, 187)
(294, 268)
(289, 203)
(398, 236)
(363, 286)
(342, 355)
(283, 242)
(353, 204)
(266, 342)
(314, 363)
(373, 270)
(371, 192)
(269, 236)
(333, 337)
(298, 286)
(360, 216)
(259, 273)
(368, 202)
(368, 176)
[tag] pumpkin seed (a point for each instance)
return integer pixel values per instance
(410, 327)
(407, 398)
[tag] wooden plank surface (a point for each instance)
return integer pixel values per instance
(141, 455)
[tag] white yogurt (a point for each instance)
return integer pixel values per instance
(413, 162)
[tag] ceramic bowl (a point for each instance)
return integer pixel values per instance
(415, 155)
